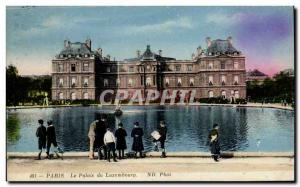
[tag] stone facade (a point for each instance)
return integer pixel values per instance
(217, 71)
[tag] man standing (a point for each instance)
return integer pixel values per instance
(41, 134)
(162, 129)
(137, 134)
(51, 139)
(110, 143)
(214, 142)
(100, 130)
(91, 136)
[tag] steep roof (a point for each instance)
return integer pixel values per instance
(76, 48)
(221, 46)
(255, 73)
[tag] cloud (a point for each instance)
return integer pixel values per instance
(226, 19)
(167, 26)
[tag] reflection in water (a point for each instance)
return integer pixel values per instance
(13, 128)
(241, 129)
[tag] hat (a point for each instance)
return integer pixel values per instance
(215, 125)
(41, 121)
(162, 122)
(120, 124)
(136, 123)
(49, 122)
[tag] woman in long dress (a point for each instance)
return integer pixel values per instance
(137, 134)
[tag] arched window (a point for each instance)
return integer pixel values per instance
(73, 96)
(105, 82)
(236, 79)
(130, 82)
(223, 79)
(222, 65)
(210, 65)
(61, 95)
(210, 80)
(179, 82)
(236, 94)
(210, 94)
(73, 81)
(235, 65)
(167, 81)
(148, 81)
(191, 81)
(223, 94)
(85, 95)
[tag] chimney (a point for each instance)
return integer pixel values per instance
(160, 52)
(193, 56)
(208, 41)
(229, 39)
(88, 43)
(67, 43)
(199, 51)
(99, 51)
(138, 53)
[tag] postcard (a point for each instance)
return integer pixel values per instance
(150, 94)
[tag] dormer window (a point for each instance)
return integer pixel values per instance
(77, 55)
(69, 55)
(86, 55)
(61, 56)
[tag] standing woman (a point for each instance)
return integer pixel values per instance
(121, 141)
(137, 134)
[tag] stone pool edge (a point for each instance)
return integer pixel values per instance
(256, 105)
(24, 155)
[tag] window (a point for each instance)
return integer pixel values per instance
(210, 80)
(61, 95)
(86, 55)
(60, 67)
(148, 81)
(167, 82)
(236, 80)
(118, 82)
(223, 79)
(179, 83)
(73, 67)
(191, 81)
(69, 56)
(85, 66)
(210, 65)
(108, 69)
(177, 67)
(142, 80)
(61, 82)
(236, 94)
(85, 95)
(236, 65)
(148, 68)
(130, 82)
(105, 82)
(189, 67)
(86, 82)
(154, 68)
(61, 56)
(131, 69)
(210, 94)
(73, 96)
(223, 94)
(222, 65)
(73, 81)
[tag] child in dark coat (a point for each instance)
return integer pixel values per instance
(214, 142)
(41, 134)
(121, 134)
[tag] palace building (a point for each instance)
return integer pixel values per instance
(78, 72)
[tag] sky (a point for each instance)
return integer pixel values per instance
(34, 35)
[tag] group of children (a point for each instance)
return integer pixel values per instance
(105, 142)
